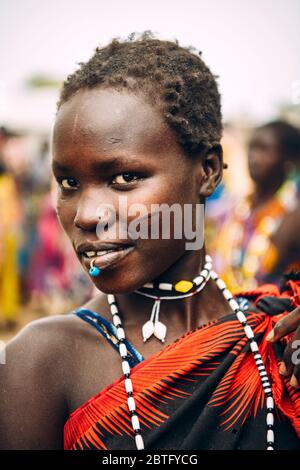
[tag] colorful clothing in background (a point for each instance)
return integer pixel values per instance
(242, 248)
(10, 239)
(54, 272)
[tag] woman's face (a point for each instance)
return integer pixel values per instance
(108, 144)
(264, 159)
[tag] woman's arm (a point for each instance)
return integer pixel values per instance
(32, 389)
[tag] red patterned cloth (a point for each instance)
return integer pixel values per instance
(203, 391)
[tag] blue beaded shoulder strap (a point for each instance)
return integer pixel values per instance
(109, 332)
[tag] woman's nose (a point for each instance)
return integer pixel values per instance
(92, 211)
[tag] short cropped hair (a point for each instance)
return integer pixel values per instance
(173, 78)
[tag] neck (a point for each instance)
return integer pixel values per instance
(265, 191)
(179, 314)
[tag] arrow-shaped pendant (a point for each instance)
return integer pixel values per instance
(154, 327)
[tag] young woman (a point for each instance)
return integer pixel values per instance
(141, 119)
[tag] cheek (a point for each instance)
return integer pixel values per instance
(266, 165)
(272, 160)
(169, 188)
(162, 194)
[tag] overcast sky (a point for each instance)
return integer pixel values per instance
(254, 46)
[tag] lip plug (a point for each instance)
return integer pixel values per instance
(94, 270)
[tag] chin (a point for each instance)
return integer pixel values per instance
(117, 281)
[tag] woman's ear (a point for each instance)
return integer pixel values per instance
(211, 170)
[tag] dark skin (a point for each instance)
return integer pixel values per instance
(55, 364)
(124, 126)
(267, 166)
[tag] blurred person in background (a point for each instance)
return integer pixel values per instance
(55, 280)
(221, 201)
(10, 216)
(258, 239)
(48, 282)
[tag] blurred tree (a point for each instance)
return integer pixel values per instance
(42, 81)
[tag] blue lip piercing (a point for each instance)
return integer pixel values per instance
(94, 271)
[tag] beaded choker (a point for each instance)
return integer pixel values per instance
(154, 326)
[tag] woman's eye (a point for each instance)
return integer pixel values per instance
(126, 178)
(68, 183)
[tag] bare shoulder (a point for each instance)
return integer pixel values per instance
(36, 379)
(52, 336)
(33, 386)
(39, 352)
(45, 335)
(47, 342)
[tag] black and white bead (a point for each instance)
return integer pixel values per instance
(197, 281)
(126, 371)
(256, 354)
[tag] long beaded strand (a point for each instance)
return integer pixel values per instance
(257, 356)
(126, 370)
(253, 345)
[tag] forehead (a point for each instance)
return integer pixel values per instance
(264, 135)
(107, 119)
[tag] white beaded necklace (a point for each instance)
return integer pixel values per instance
(202, 279)
(154, 326)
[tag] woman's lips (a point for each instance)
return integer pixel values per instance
(107, 259)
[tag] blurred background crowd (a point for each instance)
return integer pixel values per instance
(39, 271)
(253, 219)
